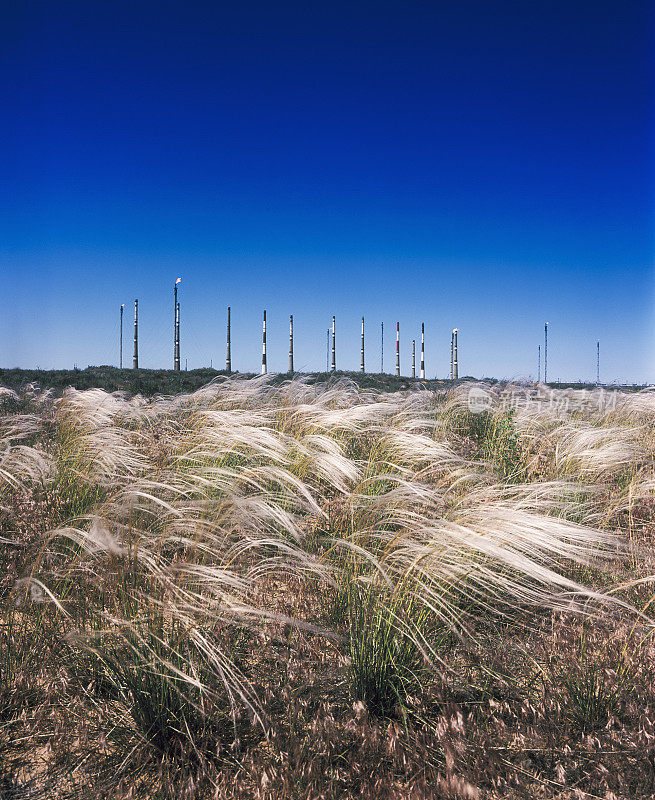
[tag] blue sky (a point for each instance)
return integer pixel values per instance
(482, 165)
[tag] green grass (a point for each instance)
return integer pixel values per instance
(384, 630)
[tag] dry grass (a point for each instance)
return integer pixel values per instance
(320, 591)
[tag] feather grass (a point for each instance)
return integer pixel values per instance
(410, 517)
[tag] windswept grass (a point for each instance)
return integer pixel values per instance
(208, 585)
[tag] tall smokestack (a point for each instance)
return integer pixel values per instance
(455, 365)
(176, 327)
(546, 353)
(291, 344)
(422, 350)
(413, 358)
(177, 340)
(121, 347)
(228, 355)
(135, 358)
(538, 363)
(382, 350)
(452, 344)
(362, 364)
(264, 368)
(333, 367)
(598, 363)
(397, 348)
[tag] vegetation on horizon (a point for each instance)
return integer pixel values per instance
(150, 382)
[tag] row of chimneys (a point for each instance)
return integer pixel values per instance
(454, 371)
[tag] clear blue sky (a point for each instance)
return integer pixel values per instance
(482, 165)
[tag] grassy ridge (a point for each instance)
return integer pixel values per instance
(163, 381)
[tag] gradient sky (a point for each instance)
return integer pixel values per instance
(482, 165)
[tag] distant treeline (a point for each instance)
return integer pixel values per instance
(167, 381)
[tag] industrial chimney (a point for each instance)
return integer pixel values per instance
(422, 350)
(264, 369)
(228, 357)
(334, 347)
(135, 358)
(397, 348)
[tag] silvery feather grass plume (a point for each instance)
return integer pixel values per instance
(6, 393)
(418, 453)
(615, 406)
(579, 447)
(592, 435)
(594, 452)
(96, 446)
(21, 464)
(492, 546)
(211, 502)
